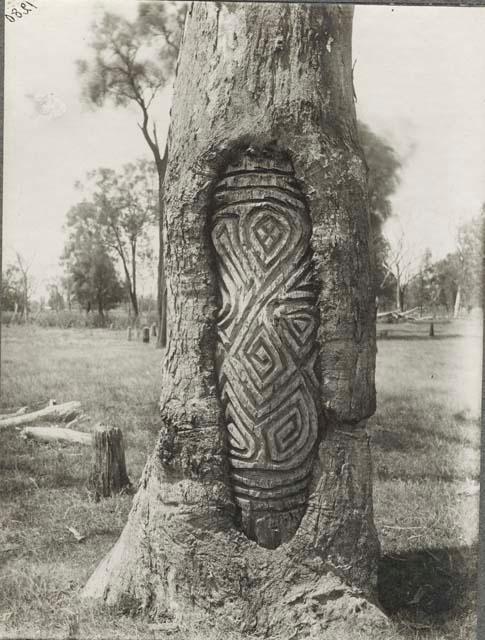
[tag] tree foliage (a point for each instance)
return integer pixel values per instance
(94, 281)
(469, 260)
(132, 59)
(11, 288)
(383, 174)
(382, 179)
(123, 211)
(455, 281)
(131, 62)
(17, 286)
(55, 299)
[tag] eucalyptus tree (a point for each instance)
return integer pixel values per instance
(132, 61)
(254, 512)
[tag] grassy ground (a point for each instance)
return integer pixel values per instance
(426, 466)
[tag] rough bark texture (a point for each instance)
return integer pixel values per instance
(108, 475)
(260, 83)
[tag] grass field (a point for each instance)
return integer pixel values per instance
(426, 466)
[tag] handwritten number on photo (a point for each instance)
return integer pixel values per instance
(15, 13)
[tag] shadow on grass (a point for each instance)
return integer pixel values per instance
(13, 488)
(428, 586)
(382, 472)
(412, 337)
(415, 436)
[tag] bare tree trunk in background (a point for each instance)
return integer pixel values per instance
(254, 513)
(399, 294)
(456, 310)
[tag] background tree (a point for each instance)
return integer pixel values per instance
(382, 181)
(55, 299)
(469, 262)
(95, 284)
(17, 286)
(67, 288)
(422, 288)
(124, 213)
(447, 272)
(400, 268)
(12, 298)
(253, 126)
(132, 62)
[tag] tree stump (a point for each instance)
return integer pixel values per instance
(154, 329)
(146, 334)
(108, 474)
(431, 330)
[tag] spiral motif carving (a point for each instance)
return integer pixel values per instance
(267, 349)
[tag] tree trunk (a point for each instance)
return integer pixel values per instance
(102, 318)
(134, 295)
(402, 290)
(398, 293)
(456, 310)
(131, 288)
(254, 512)
(161, 281)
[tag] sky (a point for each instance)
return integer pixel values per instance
(419, 78)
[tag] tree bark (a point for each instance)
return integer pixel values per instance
(271, 332)
(108, 475)
(161, 279)
(398, 292)
(457, 305)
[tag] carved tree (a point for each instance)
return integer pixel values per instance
(254, 512)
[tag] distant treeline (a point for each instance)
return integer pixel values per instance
(116, 319)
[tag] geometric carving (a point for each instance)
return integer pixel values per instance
(267, 349)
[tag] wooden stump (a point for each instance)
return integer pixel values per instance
(108, 474)
(154, 329)
(146, 334)
(431, 330)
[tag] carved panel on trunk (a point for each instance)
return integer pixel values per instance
(267, 348)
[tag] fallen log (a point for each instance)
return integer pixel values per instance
(56, 413)
(19, 412)
(56, 434)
